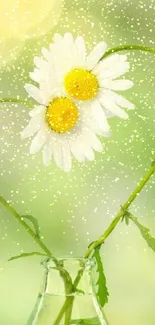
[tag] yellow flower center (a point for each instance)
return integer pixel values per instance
(61, 114)
(81, 84)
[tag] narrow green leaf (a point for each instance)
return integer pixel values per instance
(35, 223)
(102, 292)
(86, 321)
(127, 219)
(145, 232)
(25, 255)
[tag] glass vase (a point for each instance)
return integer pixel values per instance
(68, 295)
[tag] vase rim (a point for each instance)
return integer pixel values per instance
(49, 262)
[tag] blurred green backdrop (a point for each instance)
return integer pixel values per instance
(73, 209)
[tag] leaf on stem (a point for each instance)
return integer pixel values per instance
(78, 290)
(35, 223)
(25, 255)
(145, 232)
(102, 292)
(126, 217)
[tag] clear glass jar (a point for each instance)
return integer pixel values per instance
(68, 295)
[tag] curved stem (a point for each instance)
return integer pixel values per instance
(15, 100)
(109, 230)
(26, 226)
(64, 274)
(129, 47)
(121, 212)
(69, 309)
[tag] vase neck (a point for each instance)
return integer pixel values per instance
(60, 279)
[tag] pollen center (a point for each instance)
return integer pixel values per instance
(81, 84)
(61, 114)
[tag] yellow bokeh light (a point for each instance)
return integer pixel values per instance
(28, 18)
(24, 19)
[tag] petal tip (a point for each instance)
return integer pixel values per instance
(132, 106)
(46, 164)
(32, 151)
(125, 116)
(22, 135)
(107, 134)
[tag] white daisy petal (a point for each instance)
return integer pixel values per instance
(117, 84)
(121, 71)
(38, 141)
(47, 91)
(41, 63)
(40, 76)
(57, 152)
(33, 126)
(99, 116)
(57, 37)
(63, 63)
(81, 50)
(109, 105)
(108, 115)
(119, 100)
(95, 55)
(71, 58)
(114, 72)
(52, 47)
(37, 110)
(77, 150)
(35, 75)
(47, 153)
(46, 54)
(93, 125)
(94, 141)
(67, 160)
(95, 117)
(107, 63)
(68, 39)
(123, 57)
(80, 145)
(89, 153)
(35, 93)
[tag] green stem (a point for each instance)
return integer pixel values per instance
(64, 274)
(16, 100)
(26, 226)
(68, 303)
(128, 47)
(120, 214)
(68, 313)
(108, 231)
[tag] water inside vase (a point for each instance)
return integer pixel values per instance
(55, 307)
(83, 311)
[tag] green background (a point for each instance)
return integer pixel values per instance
(74, 209)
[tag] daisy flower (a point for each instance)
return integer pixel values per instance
(86, 78)
(75, 97)
(59, 129)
